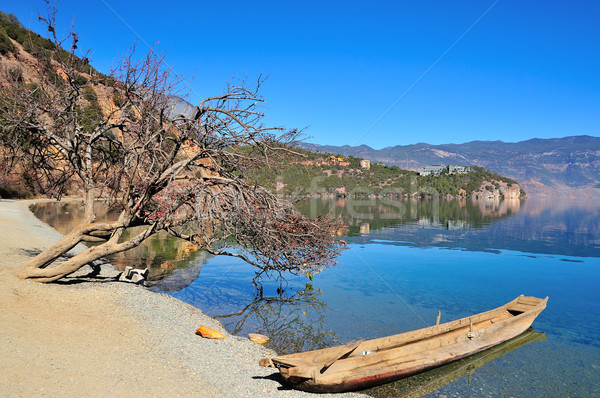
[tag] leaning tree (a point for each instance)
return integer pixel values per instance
(118, 137)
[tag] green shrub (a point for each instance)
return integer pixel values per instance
(35, 90)
(81, 80)
(15, 192)
(90, 116)
(89, 94)
(107, 80)
(54, 78)
(10, 18)
(6, 45)
(118, 99)
(14, 32)
(16, 73)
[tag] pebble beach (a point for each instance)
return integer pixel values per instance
(89, 335)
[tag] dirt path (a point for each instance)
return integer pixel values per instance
(57, 340)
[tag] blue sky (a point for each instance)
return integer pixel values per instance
(374, 73)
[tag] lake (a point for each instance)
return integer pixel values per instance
(404, 261)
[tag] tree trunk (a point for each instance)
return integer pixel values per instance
(39, 268)
(50, 255)
(50, 274)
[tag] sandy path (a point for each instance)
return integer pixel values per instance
(59, 340)
(107, 339)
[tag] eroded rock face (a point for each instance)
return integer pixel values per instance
(498, 190)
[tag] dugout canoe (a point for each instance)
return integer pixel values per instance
(361, 364)
(431, 380)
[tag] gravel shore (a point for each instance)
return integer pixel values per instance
(98, 338)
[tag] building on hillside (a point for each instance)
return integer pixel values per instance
(333, 160)
(328, 161)
(438, 169)
(365, 228)
(365, 164)
(341, 192)
(431, 170)
(458, 169)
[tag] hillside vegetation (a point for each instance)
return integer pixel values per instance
(23, 55)
(34, 44)
(556, 165)
(309, 173)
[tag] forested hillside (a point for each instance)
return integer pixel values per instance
(311, 173)
(557, 165)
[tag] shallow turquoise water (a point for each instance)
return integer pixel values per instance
(380, 289)
(386, 283)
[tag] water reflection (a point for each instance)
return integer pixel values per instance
(434, 379)
(541, 226)
(361, 216)
(161, 253)
(296, 320)
(183, 277)
(538, 225)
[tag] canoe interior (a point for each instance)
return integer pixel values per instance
(388, 358)
(431, 380)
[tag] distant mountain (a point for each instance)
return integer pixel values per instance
(556, 165)
(179, 106)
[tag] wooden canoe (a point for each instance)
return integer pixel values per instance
(424, 383)
(359, 365)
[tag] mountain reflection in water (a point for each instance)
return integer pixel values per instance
(364, 215)
(537, 225)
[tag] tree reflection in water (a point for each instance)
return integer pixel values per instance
(161, 253)
(297, 321)
(363, 215)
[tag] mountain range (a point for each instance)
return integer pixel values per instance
(553, 166)
(569, 165)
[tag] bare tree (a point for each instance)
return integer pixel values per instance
(117, 137)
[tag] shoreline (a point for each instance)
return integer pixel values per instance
(97, 337)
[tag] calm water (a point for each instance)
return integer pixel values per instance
(405, 261)
(162, 253)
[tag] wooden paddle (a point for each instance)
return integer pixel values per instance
(347, 348)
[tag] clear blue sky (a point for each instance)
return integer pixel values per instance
(374, 73)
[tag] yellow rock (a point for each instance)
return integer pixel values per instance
(209, 333)
(258, 338)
